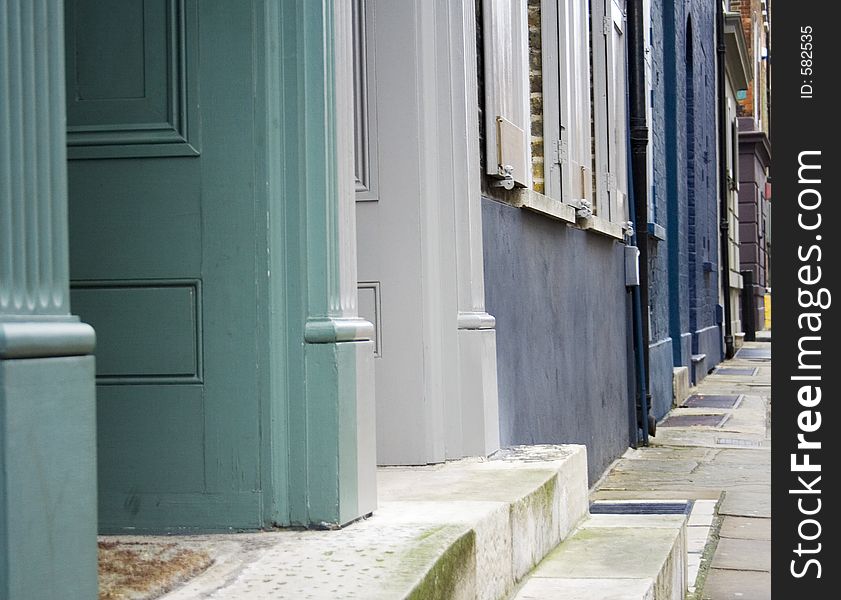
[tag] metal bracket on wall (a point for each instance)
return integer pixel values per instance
(583, 208)
(507, 181)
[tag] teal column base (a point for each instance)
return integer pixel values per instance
(48, 479)
(341, 432)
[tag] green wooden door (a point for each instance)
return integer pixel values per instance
(163, 255)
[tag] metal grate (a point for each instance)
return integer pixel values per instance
(694, 421)
(641, 508)
(754, 353)
(738, 442)
(712, 401)
(735, 371)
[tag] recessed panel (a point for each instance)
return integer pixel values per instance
(145, 332)
(154, 440)
(369, 309)
(364, 104)
(131, 87)
(109, 57)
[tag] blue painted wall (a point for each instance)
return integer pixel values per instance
(562, 333)
(683, 268)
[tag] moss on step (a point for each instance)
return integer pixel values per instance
(448, 573)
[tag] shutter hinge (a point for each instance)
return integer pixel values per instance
(607, 23)
(559, 150)
(609, 182)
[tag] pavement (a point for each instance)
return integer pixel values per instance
(724, 466)
(518, 525)
(466, 529)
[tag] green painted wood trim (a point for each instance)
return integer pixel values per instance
(48, 479)
(144, 513)
(33, 181)
(318, 430)
(271, 289)
(309, 144)
(331, 438)
(326, 331)
(42, 339)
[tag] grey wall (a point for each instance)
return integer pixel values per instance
(562, 330)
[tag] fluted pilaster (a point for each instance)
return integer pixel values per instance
(33, 175)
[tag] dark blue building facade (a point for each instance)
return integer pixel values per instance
(685, 321)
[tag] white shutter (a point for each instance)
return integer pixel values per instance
(649, 108)
(566, 99)
(579, 116)
(505, 33)
(619, 116)
(610, 108)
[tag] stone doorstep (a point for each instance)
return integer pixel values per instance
(680, 385)
(615, 557)
(464, 529)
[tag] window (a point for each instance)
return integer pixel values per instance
(585, 116)
(506, 111)
(565, 34)
(609, 109)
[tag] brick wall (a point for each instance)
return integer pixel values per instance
(536, 95)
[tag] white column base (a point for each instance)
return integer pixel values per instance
(475, 430)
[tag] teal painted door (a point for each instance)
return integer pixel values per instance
(163, 261)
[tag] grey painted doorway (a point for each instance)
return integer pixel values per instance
(163, 227)
(406, 244)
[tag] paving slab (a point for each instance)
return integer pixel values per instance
(747, 504)
(745, 528)
(657, 465)
(693, 566)
(695, 493)
(602, 560)
(643, 521)
(654, 452)
(733, 466)
(722, 584)
(598, 552)
(742, 555)
(543, 588)
(696, 538)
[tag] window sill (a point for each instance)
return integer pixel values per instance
(656, 232)
(603, 227)
(560, 211)
(544, 205)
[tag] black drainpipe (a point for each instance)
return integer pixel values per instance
(639, 159)
(724, 222)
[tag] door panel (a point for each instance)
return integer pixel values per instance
(400, 222)
(388, 222)
(162, 255)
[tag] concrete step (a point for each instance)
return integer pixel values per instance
(699, 367)
(615, 557)
(467, 529)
